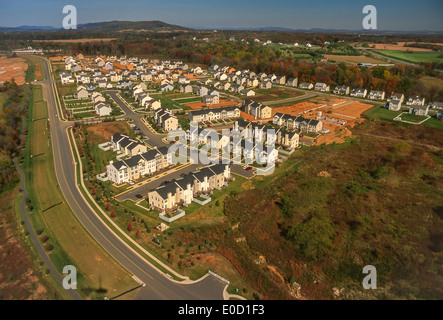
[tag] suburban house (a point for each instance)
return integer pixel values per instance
(82, 93)
(343, 90)
(66, 77)
(247, 92)
(256, 109)
(376, 95)
(306, 85)
(292, 82)
(186, 88)
(166, 119)
(415, 101)
(395, 101)
(210, 99)
(265, 85)
(359, 93)
(129, 147)
(102, 109)
(419, 110)
(166, 87)
(202, 91)
(322, 87)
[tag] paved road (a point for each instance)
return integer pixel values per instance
(157, 285)
(154, 139)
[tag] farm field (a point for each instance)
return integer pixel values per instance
(430, 82)
(415, 57)
(354, 59)
(398, 46)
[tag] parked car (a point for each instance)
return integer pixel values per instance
(139, 196)
(248, 168)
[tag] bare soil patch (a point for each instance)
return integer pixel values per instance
(13, 68)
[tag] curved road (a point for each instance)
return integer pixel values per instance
(157, 285)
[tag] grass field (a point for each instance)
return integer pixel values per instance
(68, 242)
(414, 57)
(430, 82)
(353, 59)
(382, 113)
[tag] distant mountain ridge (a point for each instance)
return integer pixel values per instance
(160, 26)
(107, 26)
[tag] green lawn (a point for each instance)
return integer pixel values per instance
(415, 56)
(381, 113)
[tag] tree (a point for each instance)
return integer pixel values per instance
(112, 213)
(137, 234)
(107, 206)
(313, 237)
(130, 226)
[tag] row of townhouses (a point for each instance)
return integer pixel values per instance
(297, 123)
(213, 114)
(137, 166)
(178, 192)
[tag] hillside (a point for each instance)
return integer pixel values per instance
(330, 210)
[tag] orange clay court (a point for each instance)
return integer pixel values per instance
(13, 68)
(223, 103)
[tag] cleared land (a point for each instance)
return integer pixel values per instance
(13, 68)
(337, 115)
(223, 103)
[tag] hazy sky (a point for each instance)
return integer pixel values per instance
(406, 15)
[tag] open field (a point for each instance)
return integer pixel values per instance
(414, 57)
(79, 40)
(64, 237)
(398, 46)
(275, 93)
(13, 68)
(102, 132)
(354, 59)
(430, 82)
(381, 113)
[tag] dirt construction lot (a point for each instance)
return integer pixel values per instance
(337, 115)
(13, 68)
